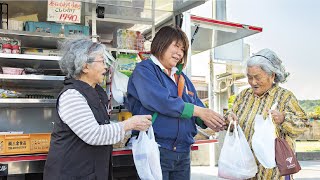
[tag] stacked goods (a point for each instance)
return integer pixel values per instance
(139, 42)
(13, 25)
(55, 28)
(9, 46)
(127, 63)
(126, 39)
(40, 51)
(9, 94)
(13, 71)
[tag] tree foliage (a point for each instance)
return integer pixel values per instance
(231, 100)
(311, 107)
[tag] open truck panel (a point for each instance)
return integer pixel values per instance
(36, 115)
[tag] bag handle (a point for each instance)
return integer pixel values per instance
(140, 136)
(273, 107)
(228, 130)
(151, 133)
(235, 127)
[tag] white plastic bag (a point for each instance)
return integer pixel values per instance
(146, 156)
(236, 159)
(263, 141)
(118, 87)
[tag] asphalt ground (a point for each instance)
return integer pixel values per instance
(310, 170)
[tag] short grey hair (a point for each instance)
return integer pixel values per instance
(76, 52)
(269, 62)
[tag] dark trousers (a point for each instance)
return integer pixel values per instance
(175, 165)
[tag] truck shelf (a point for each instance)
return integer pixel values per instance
(33, 39)
(31, 81)
(22, 102)
(26, 60)
(123, 50)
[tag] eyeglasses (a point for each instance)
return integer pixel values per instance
(105, 64)
(103, 61)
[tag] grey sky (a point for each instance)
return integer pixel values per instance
(290, 28)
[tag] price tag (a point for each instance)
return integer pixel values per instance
(64, 11)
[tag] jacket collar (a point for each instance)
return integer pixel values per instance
(157, 62)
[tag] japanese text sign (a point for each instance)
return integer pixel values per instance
(64, 11)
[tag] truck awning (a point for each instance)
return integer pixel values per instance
(212, 33)
(176, 6)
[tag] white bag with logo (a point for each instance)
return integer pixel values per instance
(236, 159)
(263, 141)
(146, 156)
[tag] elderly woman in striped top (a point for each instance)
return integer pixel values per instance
(82, 138)
(265, 71)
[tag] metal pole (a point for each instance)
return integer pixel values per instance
(221, 10)
(153, 13)
(220, 13)
(186, 27)
(211, 81)
(94, 22)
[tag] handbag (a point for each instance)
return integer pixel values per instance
(286, 160)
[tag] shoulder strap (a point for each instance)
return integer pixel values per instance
(179, 79)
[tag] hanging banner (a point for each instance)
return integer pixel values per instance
(64, 11)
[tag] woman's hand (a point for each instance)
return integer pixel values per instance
(278, 117)
(212, 119)
(232, 117)
(138, 122)
(229, 119)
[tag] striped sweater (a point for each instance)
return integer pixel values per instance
(76, 113)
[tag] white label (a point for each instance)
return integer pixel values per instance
(64, 11)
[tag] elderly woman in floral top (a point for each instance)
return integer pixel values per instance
(265, 71)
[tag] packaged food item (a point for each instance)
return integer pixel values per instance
(9, 94)
(122, 116)
(6, 48)
(4, 40)
(127, 63)
(127, 39)
(12, 71)
(15, 49)
(144, 55)
(139, 42)
(14, 42)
